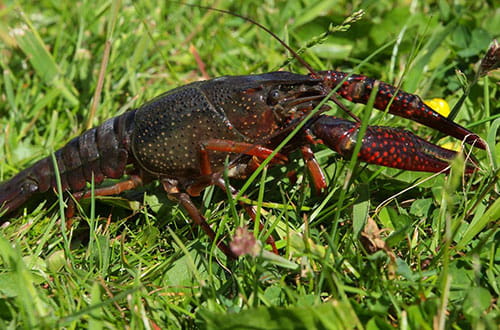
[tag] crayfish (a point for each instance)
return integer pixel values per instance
(182, 137)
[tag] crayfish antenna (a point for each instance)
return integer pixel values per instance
(259, 25)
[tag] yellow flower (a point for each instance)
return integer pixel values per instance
(439, 105)
(455, 146)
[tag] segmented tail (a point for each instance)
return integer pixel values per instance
(99, 152)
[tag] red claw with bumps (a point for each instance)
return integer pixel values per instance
(385, 146)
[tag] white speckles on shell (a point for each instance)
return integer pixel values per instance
(171, 129)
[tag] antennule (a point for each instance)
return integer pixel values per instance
(294, 53)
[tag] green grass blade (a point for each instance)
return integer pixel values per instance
(43, 62)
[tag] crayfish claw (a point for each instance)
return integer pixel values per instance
(357, 88)
(385, 146)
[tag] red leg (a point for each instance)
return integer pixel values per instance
(133, 182)
(205, 168)
(209, 178)
(244, 148)
(318, 178)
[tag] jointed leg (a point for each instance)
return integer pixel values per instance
(243, 148)
(194, 213)
(317, 176)
(133, 182)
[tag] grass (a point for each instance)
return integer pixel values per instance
(427, 258)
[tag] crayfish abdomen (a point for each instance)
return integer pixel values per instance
(98, 153)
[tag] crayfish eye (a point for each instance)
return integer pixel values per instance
(273, 97)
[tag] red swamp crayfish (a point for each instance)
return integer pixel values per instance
(183, 137)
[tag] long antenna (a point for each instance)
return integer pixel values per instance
(284, 44)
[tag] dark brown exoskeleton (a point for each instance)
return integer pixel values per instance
(182, 137)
